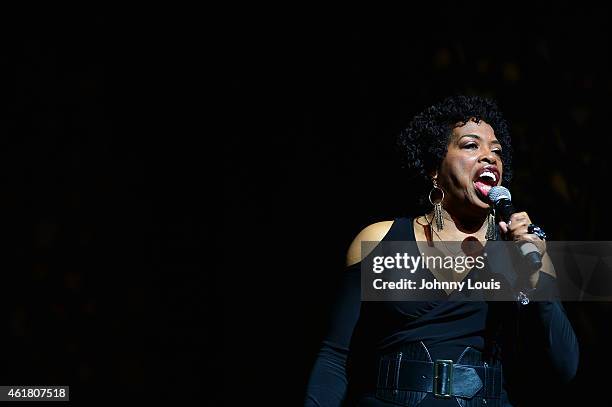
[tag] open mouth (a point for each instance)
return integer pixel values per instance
(486, 179)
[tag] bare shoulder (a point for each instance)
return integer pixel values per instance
(372, 233)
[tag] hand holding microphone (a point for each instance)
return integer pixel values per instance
(519, 228)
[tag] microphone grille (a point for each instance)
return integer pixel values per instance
(497, 193)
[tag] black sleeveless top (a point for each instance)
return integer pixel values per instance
(445, 327)
(360, 332)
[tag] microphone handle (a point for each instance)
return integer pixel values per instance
(532, 255)
(529, 250)
(505, 209)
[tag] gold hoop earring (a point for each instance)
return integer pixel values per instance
(439, 219)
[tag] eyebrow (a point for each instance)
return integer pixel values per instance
(479, 138)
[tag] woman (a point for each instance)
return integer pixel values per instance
(404, 353)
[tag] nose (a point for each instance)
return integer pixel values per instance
(489, 157)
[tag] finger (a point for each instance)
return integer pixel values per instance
(540, 244)
(518, 234)
(528, 237)
(520, 217)
(520, 228)
(503, 226)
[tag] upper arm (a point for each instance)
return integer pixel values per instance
(372, 233)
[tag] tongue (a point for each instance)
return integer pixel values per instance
(482, 188)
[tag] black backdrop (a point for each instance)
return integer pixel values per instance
(107, 130)
(101, 289)
(317, 104)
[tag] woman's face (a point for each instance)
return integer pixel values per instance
(471, 167)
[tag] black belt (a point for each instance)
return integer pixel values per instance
(408, 375)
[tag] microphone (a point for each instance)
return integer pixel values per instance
(502, 202)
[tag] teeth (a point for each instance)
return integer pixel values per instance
(490, 175)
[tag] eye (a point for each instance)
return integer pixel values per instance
(498, 152)
(471, 145)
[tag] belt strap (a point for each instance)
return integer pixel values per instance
(442, 377)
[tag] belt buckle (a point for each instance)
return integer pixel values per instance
(443, 378)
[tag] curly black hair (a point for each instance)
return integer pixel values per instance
(423, 144)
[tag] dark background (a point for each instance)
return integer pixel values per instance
(106, 132)
(101, 287)
(317, 103)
